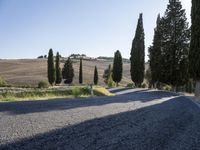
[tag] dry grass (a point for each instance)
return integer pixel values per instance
(31, 71)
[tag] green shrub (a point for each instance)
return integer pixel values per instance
(144, 85)
(111, 83)
(76, 92)
(2, 82)
(43, 84)
(167, 88)
(130, 85)
(86, 90)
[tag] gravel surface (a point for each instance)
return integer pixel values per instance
(141, 120)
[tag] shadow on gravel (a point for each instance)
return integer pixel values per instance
(173, 124)
(63, 104)
(120, 89)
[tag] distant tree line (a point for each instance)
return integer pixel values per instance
(40, 57)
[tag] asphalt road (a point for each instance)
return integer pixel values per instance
(137, 120)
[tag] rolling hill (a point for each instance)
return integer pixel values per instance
(31, 71)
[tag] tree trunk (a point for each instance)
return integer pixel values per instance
(158, 85)
(176, 89)
(197, 89)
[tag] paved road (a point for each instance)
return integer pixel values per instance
(142, 120)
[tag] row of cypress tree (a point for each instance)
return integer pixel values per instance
(55, 74)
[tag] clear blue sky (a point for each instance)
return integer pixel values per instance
(29, 28)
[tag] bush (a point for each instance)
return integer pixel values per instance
(76, 92)
(167, 88)
(86, 90)
(144, 85)
(111, 83)
(130, 85)
(2, 82)
(148, 76)
(43, 84)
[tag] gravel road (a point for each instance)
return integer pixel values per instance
(141, 120)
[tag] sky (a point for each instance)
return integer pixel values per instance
(29, 28)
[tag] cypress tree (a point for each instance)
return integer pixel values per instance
(58, 69)
(96, 78)
(117, 67)
(51, 68)
(194, 53)
(137, 54)
(81, 72)
(68, 71)
(175, 45)
(155, 55)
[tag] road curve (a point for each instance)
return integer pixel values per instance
(141, 120)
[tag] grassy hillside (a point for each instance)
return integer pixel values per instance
(30, 71)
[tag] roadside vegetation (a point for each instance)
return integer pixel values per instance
(17, 94)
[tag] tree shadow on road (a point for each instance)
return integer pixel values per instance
(153, 127)
(64, 104)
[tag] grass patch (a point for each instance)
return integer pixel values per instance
(42, 94)
(33, 95)
(101, 91)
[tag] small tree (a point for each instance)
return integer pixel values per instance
(96, 78)
(81, 72)
(51, 68)
(117, 67)
(110, 82)
(107, 74)
(68, 71)
(58, 69)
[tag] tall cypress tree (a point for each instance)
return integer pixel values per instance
(194, 53)
(96, 78)
(51, 68)
(81, 72)
(58, 69)
(155, 55)
(68, 71)
(137, 54)
(175, 45)
(117, 67)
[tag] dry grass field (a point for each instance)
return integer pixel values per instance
(31, 71)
